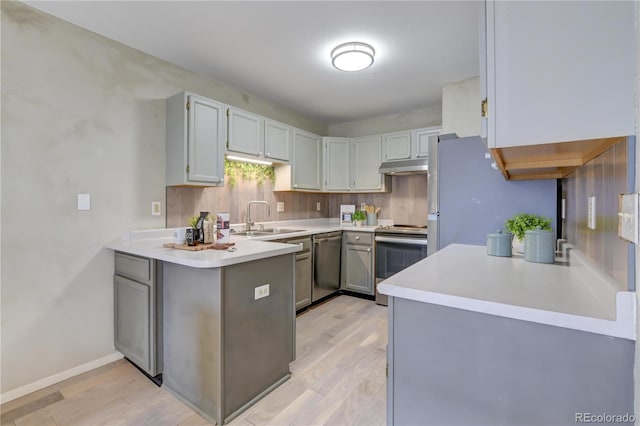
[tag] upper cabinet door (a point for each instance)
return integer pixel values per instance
(396, 146)
(559, 71)
(366, 159)
(337, 164)
(421, 139)
(277, 140)
(307, 160)
(245, 132)
(205, 134)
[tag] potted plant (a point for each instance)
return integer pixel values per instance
(358, 217)
(522, 222)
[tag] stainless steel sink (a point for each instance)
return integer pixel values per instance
(267, 231)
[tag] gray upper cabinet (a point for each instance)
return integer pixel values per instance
(277, 140)
(366, 159)
(307, 159)
(195, 130)
(337, 164)
(421, 138)
(244, 132)
(558, 71)
(396, 146)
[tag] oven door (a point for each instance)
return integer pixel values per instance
(395, 254)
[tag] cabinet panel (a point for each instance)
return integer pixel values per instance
(277, 140)
(337, 164)
(559, 71)
(303, 280)
(195, 130)
(357, 262)
(397, 146)
(132, 320)
(205, 135)
(245, 132)
(307, 159)
(421, 139)
(366, 159)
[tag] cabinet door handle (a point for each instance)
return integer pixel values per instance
(268, 154)
(357, 238)
(368, 250)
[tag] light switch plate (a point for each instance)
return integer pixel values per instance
(84, 201)
(280, 206)
(155, 208)
(628, 217)
(591, 212)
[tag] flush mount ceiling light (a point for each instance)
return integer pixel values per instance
(352, 56)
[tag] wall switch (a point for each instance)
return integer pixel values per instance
(262, 291)
(280, 206)
(84, 201)
(591, 212)
(318, 206)
(628, 217)
(155, 208)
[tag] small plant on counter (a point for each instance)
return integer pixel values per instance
(248, 172)
(522, 222)
(192, 221)
(359, 216)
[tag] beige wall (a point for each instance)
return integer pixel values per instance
(461, 106)
(80, 114)
(425, 117)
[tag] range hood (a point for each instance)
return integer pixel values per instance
(405, 167)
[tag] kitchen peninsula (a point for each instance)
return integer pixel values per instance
(477, 339)
(224, 343)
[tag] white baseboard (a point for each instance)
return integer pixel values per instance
(56, 378)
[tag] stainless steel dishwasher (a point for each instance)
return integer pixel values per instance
(326, 264)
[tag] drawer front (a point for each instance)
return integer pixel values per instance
(365, 238)
(134, 267)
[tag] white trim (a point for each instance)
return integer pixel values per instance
(57, 378)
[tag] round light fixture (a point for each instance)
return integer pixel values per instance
(352, 56)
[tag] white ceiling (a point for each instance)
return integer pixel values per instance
(280, 50)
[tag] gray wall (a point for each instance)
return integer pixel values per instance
(425, 117)
(80, 114)
(604, 177)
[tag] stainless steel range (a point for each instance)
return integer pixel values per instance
(397, 247)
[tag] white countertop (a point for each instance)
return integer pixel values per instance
(148, 243)
(566, 294)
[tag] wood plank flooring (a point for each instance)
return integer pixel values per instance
(338, 378)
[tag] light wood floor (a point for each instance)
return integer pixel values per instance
(338, 378)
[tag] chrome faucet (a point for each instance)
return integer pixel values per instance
(250, 222)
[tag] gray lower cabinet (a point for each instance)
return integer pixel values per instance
(357, 262)
(450, 366)
(304, 271)
(138, 311)
(225, 346)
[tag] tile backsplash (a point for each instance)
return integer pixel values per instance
(604, 177)
(407, 203)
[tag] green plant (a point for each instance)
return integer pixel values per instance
(248, 172)
(522, 222)
(193, 221)
(358, 215)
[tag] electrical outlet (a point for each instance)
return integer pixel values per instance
(261, 291)
(318, 206)
(84, 201)
(362, 206)
(591, 212)
(155, 208)
(280, 206)
(628, 217)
